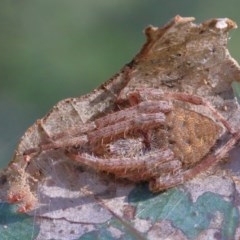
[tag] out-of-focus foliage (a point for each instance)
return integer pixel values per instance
(50, 50)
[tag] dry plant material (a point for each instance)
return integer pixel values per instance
(167, 116)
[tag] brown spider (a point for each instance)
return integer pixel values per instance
(165, 131)
(150, 142)
(151, 122)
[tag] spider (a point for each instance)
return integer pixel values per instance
(147, 141)
(165, 131)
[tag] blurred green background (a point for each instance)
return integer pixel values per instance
(54, 49)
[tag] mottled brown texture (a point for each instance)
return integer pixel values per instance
(166, 116)
(190, 135)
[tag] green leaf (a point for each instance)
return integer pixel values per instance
(14, 225)
(111, 230)
(191, 217)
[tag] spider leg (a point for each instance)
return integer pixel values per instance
(146, 166)
(155, 94)
(122, 163)
(144, 115)
(140, 121)
(131, 112)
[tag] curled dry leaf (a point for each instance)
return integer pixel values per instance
(167, 116)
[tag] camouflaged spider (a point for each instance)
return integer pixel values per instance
(156, 140)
